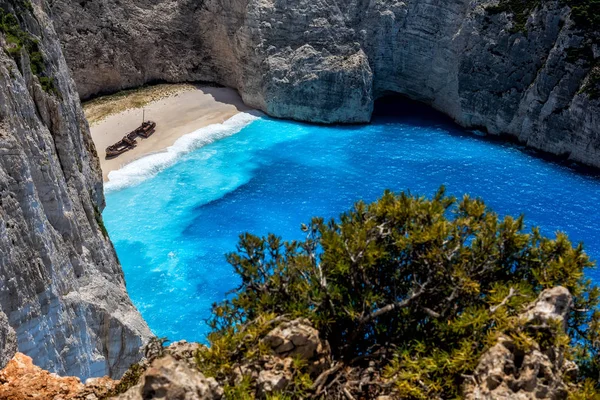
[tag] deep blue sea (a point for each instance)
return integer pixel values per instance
(174, 215)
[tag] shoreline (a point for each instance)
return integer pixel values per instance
(150, 164)
(178, 110)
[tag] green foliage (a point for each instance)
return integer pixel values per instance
(279, 396)
(435, 281)
(585, 13)
(49, 86)
(129, 379)
(583, 54)
(519, 9)
(18, 39)
(240, 391)
(100, 221)
(592, 87)
(586, 391)
(230, 348)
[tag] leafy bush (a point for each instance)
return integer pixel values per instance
(419, 286)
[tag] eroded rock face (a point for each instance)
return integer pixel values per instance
(506, 372)
(21, 379)
(61, 285)
(322, 61)
(8, 341)
(296, 338)
(170, 379)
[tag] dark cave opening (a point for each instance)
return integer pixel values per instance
(396, 106)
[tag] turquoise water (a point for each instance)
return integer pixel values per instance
(172, 229)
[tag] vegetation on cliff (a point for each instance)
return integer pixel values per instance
(17, 40)
(585, 15)
(414, 288)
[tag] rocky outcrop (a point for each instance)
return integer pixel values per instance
(168, 378)
(21, 379)
(293, 352)
(172, 372)
(296, 338)
(8, 341)
(507, 372)
(323, 61)
(61, 285)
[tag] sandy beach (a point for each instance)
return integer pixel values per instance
(177, 110)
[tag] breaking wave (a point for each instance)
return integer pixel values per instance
(148, 166)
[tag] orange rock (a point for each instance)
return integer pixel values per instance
(22, 380)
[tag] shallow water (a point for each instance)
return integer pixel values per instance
(172, 229)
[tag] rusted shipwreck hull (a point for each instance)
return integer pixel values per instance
(146, 130)
(129, 141)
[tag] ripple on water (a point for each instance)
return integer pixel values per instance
(172, 222)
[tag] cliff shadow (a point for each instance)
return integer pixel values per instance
(393, 106)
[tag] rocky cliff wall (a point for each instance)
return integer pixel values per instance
(61, 285)
(8, 341)
(327, 61)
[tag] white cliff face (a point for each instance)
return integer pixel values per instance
(8, 341)
(323, 61)
(61, 285)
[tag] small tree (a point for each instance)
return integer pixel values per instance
(423, 286)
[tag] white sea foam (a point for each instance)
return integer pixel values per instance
(146, 167)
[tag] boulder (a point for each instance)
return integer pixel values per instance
(273, 381)
(184, 351)
(171, 379)
(507, 372)
(296, 338)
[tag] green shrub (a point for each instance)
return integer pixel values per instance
(48, 85)
(519, 9)
(130, 378)
(100, 221)
(18, 39)
(434, 281)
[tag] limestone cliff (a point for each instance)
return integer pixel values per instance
(327, 61)
(8, 341)
(61, 285)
